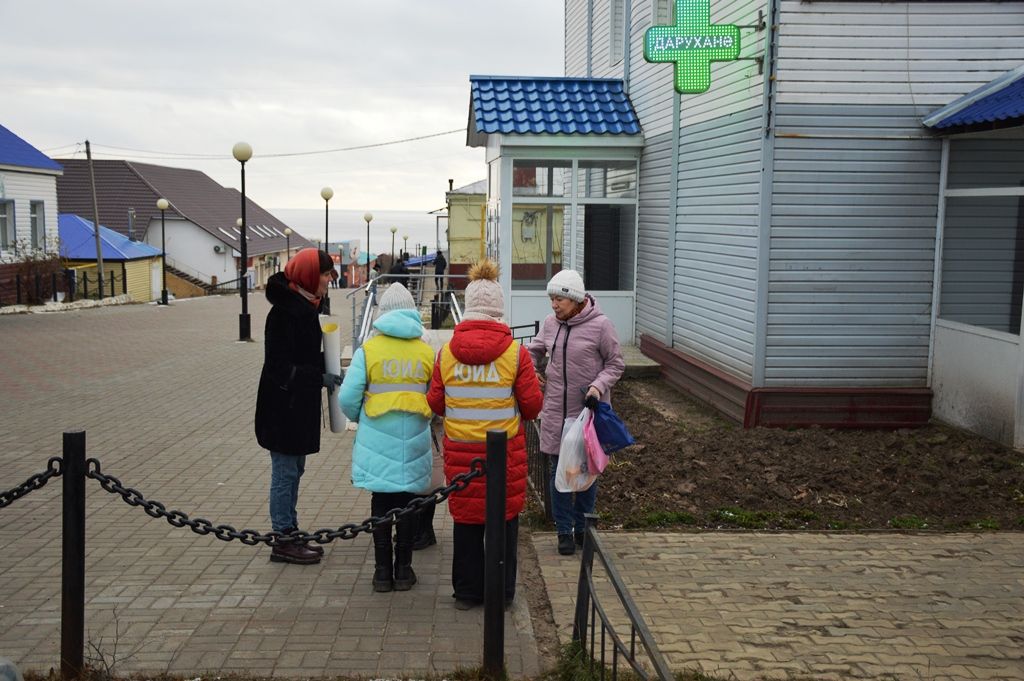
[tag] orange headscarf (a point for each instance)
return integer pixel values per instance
(303, 273)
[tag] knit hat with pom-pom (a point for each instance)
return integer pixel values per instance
(484, 298)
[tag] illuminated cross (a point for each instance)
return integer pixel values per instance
(693, 43)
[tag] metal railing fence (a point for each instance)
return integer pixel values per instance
(538, 466)
(591, 614)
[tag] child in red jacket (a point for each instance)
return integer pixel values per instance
(483, 380)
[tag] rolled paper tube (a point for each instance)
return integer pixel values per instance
(332, 360)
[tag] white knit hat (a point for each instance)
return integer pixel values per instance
(484, 297)
(567, 284)
(397, 297)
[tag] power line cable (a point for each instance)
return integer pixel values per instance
(154, 154)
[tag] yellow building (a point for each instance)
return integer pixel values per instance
(536, 231)
(129, 266)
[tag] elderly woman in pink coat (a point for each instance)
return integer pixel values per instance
(583, 362)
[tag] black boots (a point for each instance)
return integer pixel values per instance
(404, 576)
(383, 575)
(566, 545)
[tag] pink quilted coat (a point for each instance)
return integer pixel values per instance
(579, 353)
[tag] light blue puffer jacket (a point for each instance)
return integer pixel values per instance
(392, 451)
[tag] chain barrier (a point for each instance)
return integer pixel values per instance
(202, 526)
(54, 468)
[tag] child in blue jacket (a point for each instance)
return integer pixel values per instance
(385, 392)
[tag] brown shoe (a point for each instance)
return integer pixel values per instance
(315, 548)
(298, 554)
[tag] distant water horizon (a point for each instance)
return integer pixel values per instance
(345, 224)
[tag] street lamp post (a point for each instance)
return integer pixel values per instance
(162, 204)
(242, 153)
(393, 230)
(405, 243)
(287, 244)
(368, 217)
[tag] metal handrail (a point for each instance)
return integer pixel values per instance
(202, 276)
(586, 600)
(456, 310)
(363, 331)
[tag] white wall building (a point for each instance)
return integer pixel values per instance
(28, 199)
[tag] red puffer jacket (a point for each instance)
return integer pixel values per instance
(481, 342)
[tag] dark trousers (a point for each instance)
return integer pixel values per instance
(468, 561)
(405, 529)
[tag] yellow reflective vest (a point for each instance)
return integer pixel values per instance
(398, 372)
(479, 397)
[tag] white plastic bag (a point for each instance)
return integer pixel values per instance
(573, 473)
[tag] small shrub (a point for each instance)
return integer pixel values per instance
(985, 524)
(908, 522)
(665, 518)
(739, 517)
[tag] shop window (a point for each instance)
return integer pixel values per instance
(983, 262)
(537, 238)
(541, 178)
(8, 236)
(37, 224)
(986, 163)
(607, 180)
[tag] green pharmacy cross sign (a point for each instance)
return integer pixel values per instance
(693, 43)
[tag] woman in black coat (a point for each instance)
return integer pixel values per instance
(288, 401)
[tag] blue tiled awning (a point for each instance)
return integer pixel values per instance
(999, 101)
(568, 106)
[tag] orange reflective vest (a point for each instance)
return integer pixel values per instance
(397, 375)
(479, 397)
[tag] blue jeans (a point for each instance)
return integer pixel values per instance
(285, 472)
(568, 512)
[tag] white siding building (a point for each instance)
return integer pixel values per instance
(790, 218)
(28, 199)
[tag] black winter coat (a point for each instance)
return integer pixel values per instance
(288, 402)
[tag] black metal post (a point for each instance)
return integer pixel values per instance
(287, 247)
(99, 280)
(85, 286)
(72, 600)
(367, 251)
(327, 250)
(243, 319)
(494, 556)
(124, 278)
(163, 257)
(579, 623)
(53, 285)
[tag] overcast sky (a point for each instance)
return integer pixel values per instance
(170, 80)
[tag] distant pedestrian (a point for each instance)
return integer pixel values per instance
(440, 265)
(472, 402)
(581, 350)
(385, 392)
(288, 401)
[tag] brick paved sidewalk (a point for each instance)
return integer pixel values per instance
(879, 606)
(167, 399)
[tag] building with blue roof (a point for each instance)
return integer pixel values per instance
(28, 198)
(563, 160)
(133, 266)
(827, 201)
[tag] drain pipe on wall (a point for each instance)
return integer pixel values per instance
(764, 220)
(673, 213)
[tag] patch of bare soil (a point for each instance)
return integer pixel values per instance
(693, 468)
